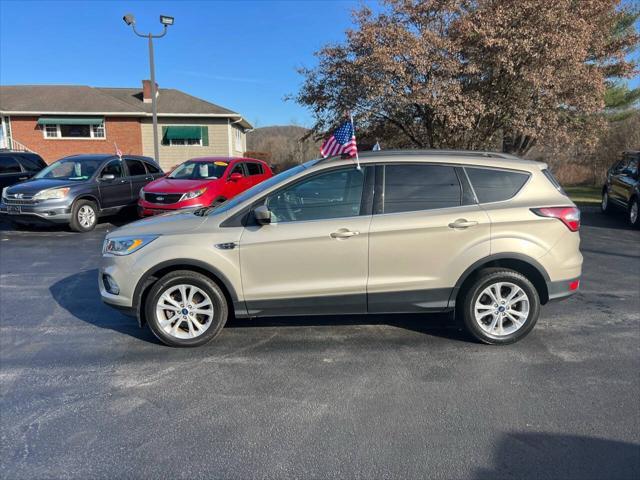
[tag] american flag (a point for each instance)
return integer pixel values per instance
(343, 141)
(118, 152)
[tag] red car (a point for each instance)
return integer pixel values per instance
(201, 182)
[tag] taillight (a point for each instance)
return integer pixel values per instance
(570, 216)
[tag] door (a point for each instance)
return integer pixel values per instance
(312, 258)
(628, 179)
(10, 171)
(617, 185)
(424, 233)
(116, 191)
(255, 173)
(138, 177)
(237, 185)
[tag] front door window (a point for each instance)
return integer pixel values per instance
(336, 194)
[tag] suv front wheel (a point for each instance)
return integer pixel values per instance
(499, 307)
(186, 309)
(84, 216)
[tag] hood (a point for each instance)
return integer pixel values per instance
(31, 187)
(170, 185)
(181, 221)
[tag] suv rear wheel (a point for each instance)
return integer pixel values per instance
(499, 307)
(186, 309)
(633, 214)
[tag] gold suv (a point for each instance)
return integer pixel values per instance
(487, 235)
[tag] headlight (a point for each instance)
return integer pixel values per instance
(141, 193)
(4, 192)
(51, 193)
(126, 245)
(193, 194)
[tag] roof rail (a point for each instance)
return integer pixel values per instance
(430, 153)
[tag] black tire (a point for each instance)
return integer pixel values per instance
(77, 224)
(187, 277)
(605, 203)
(473, 290)
(218, 201)
(633, 222)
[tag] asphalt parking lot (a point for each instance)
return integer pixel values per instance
(85, 393)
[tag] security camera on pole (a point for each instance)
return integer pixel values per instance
(130, 20)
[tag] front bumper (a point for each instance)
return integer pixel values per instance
(146, 209)
(50, 211)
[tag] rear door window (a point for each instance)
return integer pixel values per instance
(135, 167)
(254, 168)
(493, 185)
(409, 188)
(9, 165)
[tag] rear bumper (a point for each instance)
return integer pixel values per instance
(563, 289)
(55, 213)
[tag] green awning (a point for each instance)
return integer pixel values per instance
(70, 121)
(183, 132)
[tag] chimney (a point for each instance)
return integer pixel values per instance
(146, 91)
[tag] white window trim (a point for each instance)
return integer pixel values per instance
(238, 142)
(171, 144)
(60, 137)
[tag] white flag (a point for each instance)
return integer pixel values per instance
(376, 147)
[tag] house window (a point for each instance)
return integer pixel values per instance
(51, 131)
(185, 135)
(239, 140)
(75, 131)
(63, 130)
(97, 131)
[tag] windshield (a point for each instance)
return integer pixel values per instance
(261, 187)
(199, 171)
(70, 169)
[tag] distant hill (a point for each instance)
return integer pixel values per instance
(281, 145)
(256, 138)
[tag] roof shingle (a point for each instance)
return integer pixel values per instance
(80, 99)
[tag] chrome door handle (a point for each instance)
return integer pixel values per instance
(344, 234)
(463, 223)
(22, 178)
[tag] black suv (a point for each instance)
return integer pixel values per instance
(621, 190)
(78, 189)
(18, 166)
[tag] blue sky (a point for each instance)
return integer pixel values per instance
(242, 55)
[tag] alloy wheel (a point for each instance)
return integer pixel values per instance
(633, 213)
(501, 309)
(86, 216)
(184, 311)
(605, 201)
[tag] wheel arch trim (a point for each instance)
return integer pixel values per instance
(479, 264)
(149, 278)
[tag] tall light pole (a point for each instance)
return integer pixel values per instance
(129, 19)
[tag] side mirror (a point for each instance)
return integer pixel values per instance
(234, 177)
(107, 177)
(262, 215)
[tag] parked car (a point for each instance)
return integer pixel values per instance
(622, 187)
(201, 182)
(488, 235)
(79, 189)
(18, 166)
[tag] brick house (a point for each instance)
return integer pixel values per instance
(59, 120)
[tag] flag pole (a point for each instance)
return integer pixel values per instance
(354, 135)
